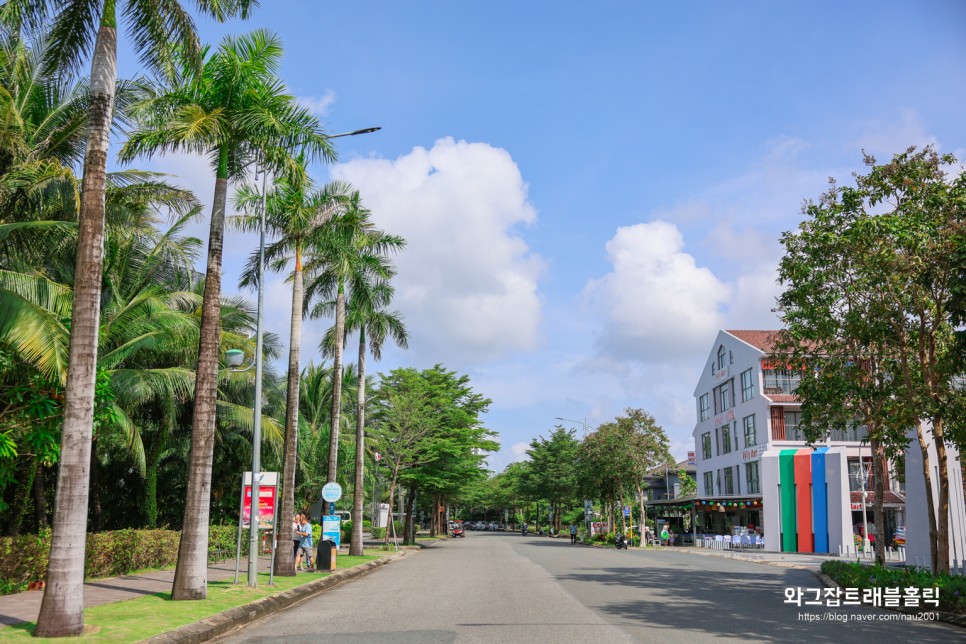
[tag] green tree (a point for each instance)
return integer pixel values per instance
(551, 474)
(79, 26)
(349, 255)
(880, 318)
(235, 110)
(295, 212)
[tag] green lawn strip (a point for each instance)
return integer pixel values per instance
(137, 619)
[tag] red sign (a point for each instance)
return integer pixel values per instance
(266, 506)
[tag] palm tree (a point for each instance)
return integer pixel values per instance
(350, 251)
(366, 313)
(235, 110)
(294, 213)
(158, 28)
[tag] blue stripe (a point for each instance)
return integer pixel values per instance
(819, 500)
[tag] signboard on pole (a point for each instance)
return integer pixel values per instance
(267, 493)
(627, 510)
(588, 509)
(691, 459)
(332, 529)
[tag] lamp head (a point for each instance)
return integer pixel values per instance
(234, 357)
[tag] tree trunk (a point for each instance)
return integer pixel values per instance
(410, 524)
(336, 384)
(359, 493)
(191, 574)
(942, 525)
(284, 558)
(878, 505)
(62, 610)
(392, 500)
(40, 499)
(95, 491)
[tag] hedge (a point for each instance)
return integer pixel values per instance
(23, 560)
(952, 588)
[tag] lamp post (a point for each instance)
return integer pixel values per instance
(254, 515)
(570, 420)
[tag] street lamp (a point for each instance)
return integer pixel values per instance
(235, 355)
(570, 420)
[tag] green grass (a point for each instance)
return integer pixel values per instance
(137, 619)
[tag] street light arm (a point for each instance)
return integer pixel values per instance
(367, 130)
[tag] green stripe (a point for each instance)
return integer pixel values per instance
(786, 468)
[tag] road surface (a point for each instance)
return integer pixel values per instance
(492, 587)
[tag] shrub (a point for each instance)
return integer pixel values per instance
(952, 588)
(24, 559)
(378, 533)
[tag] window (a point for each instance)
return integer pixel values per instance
(853, 433)
(705, 404)
(723, 400)
(751, 436)
(721, 357)
(747, 386)
(729, 481)
(855, 475)
(706, 445)
(709, 484)
(792, 432)
(718, 481)
(781, 381)
(751, 478)
(725, 439)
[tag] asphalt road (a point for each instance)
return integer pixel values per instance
(492, 587)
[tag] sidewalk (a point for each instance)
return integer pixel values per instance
(25, 606)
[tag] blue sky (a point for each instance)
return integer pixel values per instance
(591, 190)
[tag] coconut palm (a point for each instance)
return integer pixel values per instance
(350, 251)
(79, 26)
(236, 111)
(294, 213)
(366, 313)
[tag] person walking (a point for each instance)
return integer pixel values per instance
(665, 536)
(305, 544)
(296, 537)
(573, 533)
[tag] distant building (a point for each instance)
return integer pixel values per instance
(755, 472)
(663, 483)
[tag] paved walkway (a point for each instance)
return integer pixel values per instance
(25, 607)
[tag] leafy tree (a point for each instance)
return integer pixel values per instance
(551, 474)
(77, 27)
(295, 212)
(870, 286)
(235, 110)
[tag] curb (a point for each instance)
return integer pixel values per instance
(229, 619)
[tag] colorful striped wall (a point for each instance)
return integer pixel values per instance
(804, 500)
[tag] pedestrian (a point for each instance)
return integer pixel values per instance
(573, 533)
(305, 544)
(296, 537)
(665, 536)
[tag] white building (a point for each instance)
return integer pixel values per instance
(755, 471)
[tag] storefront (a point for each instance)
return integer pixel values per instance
(729, 515)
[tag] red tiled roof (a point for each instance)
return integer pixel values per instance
(783, 398)
(764, 340)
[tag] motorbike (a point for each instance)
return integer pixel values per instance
(620, 542)
(523, 531)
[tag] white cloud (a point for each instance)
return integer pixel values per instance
(518, 452)
(656, 302)
(468, 283)
(318, 105)
(887, 136)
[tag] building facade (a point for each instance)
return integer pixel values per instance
(755, 471)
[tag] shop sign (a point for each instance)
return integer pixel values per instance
(856, 506)
(720, 375)
(752, 453)
(691, 459)
(726, 417)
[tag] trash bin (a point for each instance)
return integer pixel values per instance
(326, 555)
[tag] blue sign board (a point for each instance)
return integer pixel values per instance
(627, 510)
(332, 529)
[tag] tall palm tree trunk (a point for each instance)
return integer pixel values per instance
(191, 575)
(62, 610)
(284, 560)
(359, 491)
(336, 384)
